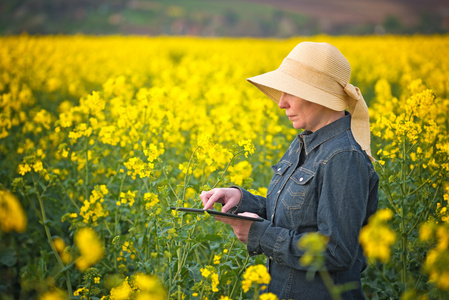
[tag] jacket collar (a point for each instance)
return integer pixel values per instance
(314, 139)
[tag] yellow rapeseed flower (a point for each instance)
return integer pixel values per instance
(205, 272)
(150, 199)
(90, 247)
(61, 248)
(376, 237)
(149, 287)
(426, 231)
(217, 259)
(248, 146)
(79, 291)
(215, 282)
(121, 292)
(12, 215)
(268, 296)
(24, 168)
(314, 244)
(93, 209)
(128, 197)
(255, 275)
(211, 275)
(37, 166)
(53, 295)
(240, 172)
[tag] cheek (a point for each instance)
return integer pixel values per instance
(298, 109)
(302, 113)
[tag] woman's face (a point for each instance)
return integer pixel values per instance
(304, 114)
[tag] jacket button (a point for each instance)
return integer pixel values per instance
(279, 169)
(301, 179)
(279, 191)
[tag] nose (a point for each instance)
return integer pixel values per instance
(283, 103)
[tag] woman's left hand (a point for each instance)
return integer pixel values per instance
(240, 227)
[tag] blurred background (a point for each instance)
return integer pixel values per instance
(260, 18)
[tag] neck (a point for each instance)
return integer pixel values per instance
(328, 118)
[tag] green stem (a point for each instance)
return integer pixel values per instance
(178, 273)
(186, 181)
(388, 193)
(429, 180)
(403, 215)
(226, 169)
(185, 252)
(393, 206)
(116, 218)
(242, 269)
(426, 215)
(170, 271)
(107, 226)
(86, 184)
(140, 259)
(202, 291)
(118, 207)
(169, 185)
(187, 177)
(115, 175)
(50, 241)
(330, 286)
(70, 198)
(256, 292)
(229, 251)
(106, 265)
(386, 279)
(424, 212)
(197, 256)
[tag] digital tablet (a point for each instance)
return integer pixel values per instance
(216, 213)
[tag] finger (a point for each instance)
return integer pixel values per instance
(227, 207)
(229, 221)
(248, 214)
(205, 195)
(232, 199)
(224, 220)
(217, 195)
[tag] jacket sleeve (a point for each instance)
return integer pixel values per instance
(251, 203)
(341, 211)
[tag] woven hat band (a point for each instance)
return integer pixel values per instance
(312, 76)
(360, 118)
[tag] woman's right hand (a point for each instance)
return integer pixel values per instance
(230, 197)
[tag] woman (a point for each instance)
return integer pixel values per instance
(324, 183)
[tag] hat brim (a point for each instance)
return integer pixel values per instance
(274, 83)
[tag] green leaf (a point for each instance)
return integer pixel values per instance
(8, 257)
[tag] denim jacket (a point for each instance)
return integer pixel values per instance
(333, 192)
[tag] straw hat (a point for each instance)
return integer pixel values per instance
(319, 73)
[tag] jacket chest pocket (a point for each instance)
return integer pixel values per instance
(293, 197)
(279, 171)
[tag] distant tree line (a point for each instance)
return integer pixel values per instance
(178, 17)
